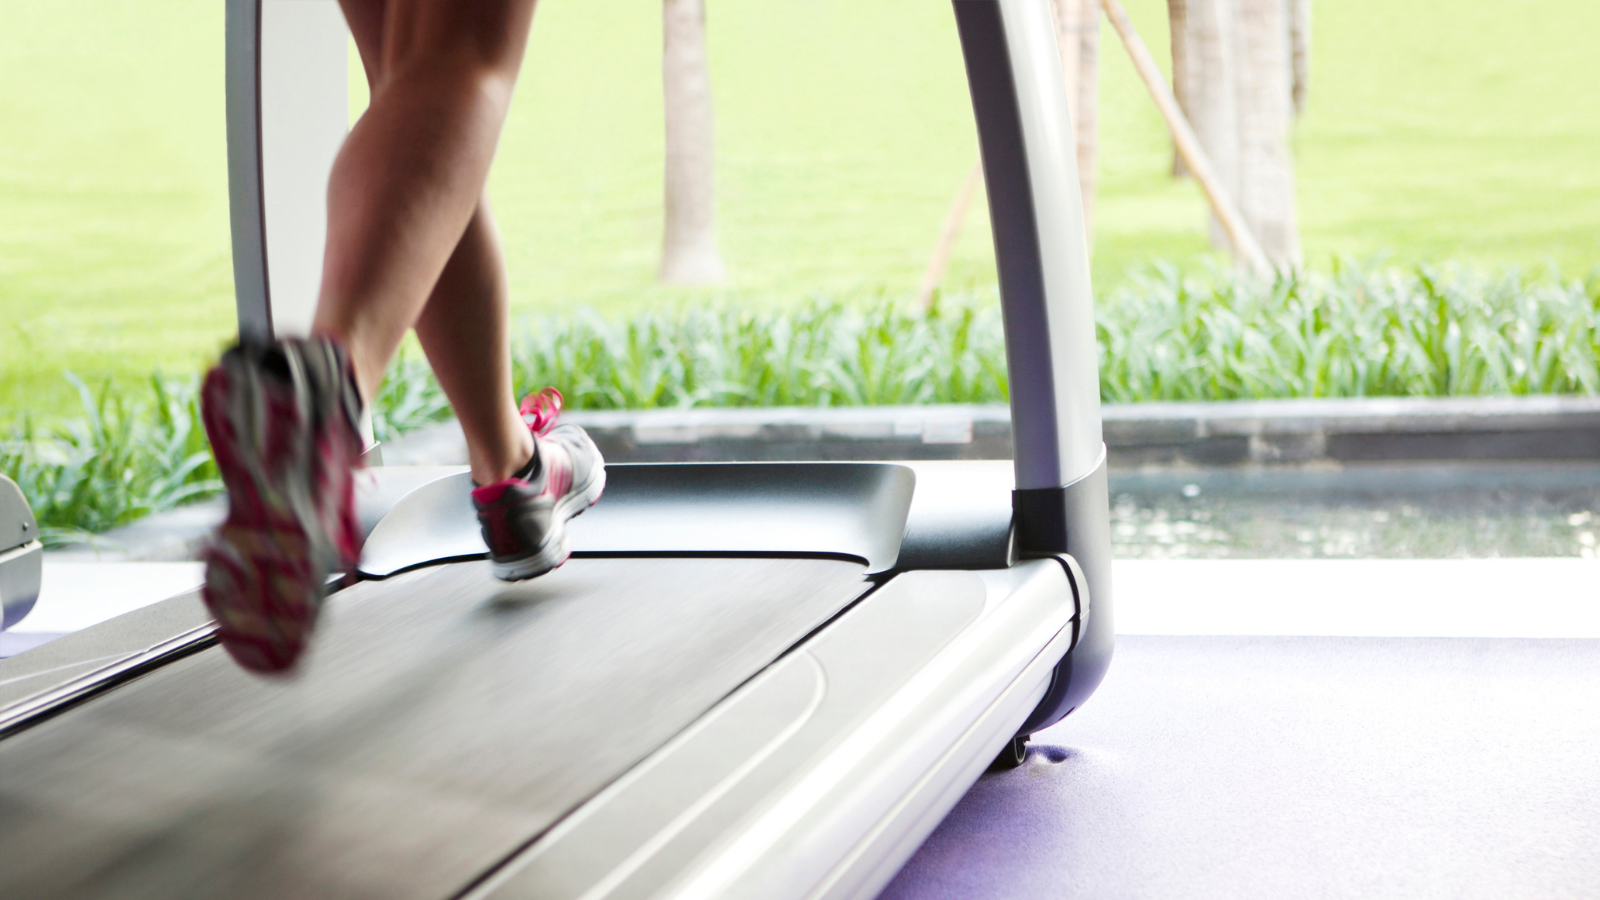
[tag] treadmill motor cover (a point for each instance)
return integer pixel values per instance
(855, 510)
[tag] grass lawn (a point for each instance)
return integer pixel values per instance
(1436, 129)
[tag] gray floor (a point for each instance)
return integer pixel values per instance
(439, 723)
(1289, 767)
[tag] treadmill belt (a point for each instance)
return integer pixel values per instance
(441, 720)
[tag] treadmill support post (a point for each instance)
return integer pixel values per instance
(288, 113)
(1073, 521)
(1025, 132)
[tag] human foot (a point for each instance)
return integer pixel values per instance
(282, 423)
(524, 518)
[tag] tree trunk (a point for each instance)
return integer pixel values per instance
(1183, 74)
(1300, 51)
(689, 237)
(1266, 197)
(1067, 17)
(1247, 252)
(1078, 36)
(1088, 120)
(1210, 67)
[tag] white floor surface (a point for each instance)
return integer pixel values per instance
(76, 594)
(1538, 598)
(1523, 598)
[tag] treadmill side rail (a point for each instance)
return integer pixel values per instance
(38, 683)
(822, 775)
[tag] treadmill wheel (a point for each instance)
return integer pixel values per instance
(1011, 755)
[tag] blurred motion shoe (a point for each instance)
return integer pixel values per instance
(282, 419)
(524, 518)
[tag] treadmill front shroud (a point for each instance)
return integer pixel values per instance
(752, 680)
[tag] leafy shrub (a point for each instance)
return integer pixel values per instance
(1352, 332)
(820, 353)
(1168, 335)
(122, 459)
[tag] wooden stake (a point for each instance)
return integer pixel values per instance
(947, 237)
(1244, 243)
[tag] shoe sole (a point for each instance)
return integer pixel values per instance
(265, 611)
(556, 547)
(264, 583)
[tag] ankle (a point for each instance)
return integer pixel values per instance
(506, 465)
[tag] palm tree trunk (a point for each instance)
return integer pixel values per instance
(1211, 88)
(1183, 74)
(689, 236)
(1088, 120)
(1224, 212)
(1078, 36)
(1300, 51)
(1266, 197)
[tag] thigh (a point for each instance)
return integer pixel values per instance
(366, 20)
(489, 35)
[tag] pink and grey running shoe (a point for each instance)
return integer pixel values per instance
(282, 423)
(524, 518)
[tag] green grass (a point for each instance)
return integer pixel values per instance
(1436, 130)
(113, 195)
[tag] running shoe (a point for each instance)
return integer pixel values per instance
(282, 419)
(524, 518)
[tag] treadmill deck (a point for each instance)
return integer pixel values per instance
(428, 736)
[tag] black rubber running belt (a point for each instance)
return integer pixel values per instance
(442, 720)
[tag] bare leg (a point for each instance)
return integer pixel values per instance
(465, 330)
(405, 224)
(412, 171)
(463, 325)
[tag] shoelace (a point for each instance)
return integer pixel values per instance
(541, 410)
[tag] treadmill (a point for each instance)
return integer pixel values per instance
(751, 680)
